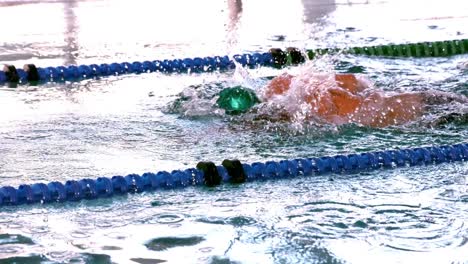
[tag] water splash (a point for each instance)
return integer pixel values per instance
(307, 104)
(299, 104)
(199, 101)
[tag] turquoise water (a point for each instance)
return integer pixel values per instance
(113, 126)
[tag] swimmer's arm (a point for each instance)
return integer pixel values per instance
(278, 85)
(345, 96)
(351, 83)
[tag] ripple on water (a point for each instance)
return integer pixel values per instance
(91, 258)
(405, 227)
(100, 208)
(14, 245)
(103, 216)
(217, 260)
(225, 203)
(105, 224)
(463, 198)
(241, 221)
(212, 220)
(117, 235)
(28, 259)
(15, 225)
(60, 255)
(80, 243)
(7, 218)
(236, 221)
(147, 261)
(294, 246)
(7, 249)
(326, 219)
(111, 248)
(413, 232)
(80, 234)
(164, 218)
(15, 239)
(38, 229)
(164, 243)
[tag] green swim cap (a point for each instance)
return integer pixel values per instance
(237, 100)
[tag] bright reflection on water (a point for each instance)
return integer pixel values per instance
(120, 125)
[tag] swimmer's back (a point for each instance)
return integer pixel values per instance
(281, 84)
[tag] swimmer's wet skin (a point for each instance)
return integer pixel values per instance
(346, 102)
(349, 101)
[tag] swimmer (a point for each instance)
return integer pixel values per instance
(348, 98)
(334, 99)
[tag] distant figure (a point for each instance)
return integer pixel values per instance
(235, 9)
(317, 9)
(235, 12)
(71, 48)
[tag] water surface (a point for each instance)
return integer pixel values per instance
(112, 126)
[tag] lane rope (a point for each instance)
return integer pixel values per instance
(32, 74)
(230, 172)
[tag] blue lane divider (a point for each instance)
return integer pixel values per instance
(275, 57)
(73, 73)
(75, 190)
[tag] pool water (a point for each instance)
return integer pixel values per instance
(120, 125)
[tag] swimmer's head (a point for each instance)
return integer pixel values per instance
(237, 100)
